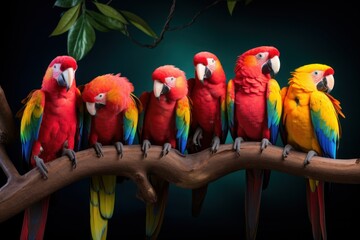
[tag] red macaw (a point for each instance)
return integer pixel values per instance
(50, 127)
(165, 121)
(254, 111)
(114, 116)
(209, 126)
(311, 124)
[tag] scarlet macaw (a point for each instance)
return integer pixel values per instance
(209, 126)
(254, 112)
(311, 124)
(113, 108)
(164, 121)
(50, 127)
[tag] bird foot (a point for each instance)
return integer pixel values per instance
(215, 144)
(70, 153)
(145, 147)
(98, 149)
(41, 166)
(198, 136)
(166, 149)
(309, 156)
(119, 148)
(264, 143)
(286, 150)
(237, 144)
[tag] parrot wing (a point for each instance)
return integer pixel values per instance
(144, 99)
(274, 109)
(282, 130)
(224, 119)
(131, 116)
(80, 109)
(191, 84)
(325, 122)
(230, 103)
(30, 121)
(182, 122)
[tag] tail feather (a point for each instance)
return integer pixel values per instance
(316, 208)
(198, 197)
(155, 212)
(34, 222)
(102, 203)
(254, 181)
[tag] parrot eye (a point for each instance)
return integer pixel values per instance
(170, 81)
(56, 66)
(211, 61)
(100, 96)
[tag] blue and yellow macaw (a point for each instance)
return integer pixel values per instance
(311, 124)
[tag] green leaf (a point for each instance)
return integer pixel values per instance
(67, 20)
(105, 21)
(139, 23)
(110, 12)
(81, 38)
(231, 5)
(67, 3)
(98, 26)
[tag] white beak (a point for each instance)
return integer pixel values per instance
(200, 71)
(158, 86)
(91, 108)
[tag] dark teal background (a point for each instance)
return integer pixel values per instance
(304, 32)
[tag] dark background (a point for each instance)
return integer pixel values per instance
(304, 32)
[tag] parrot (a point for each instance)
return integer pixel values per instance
(254, 107)
(310, 123)
(50, 127)
(209, 124)
(113, 110)
(164, 120)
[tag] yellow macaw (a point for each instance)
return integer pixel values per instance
(311, 124)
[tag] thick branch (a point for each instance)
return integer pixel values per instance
(185, 171)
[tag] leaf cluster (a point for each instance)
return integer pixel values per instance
(81, 24)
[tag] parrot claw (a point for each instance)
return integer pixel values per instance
(264, 143)
(215, 144)
(286, 150)
(237, 144)
(145, 147)
(166, 149)
(98, 149)
(309, 156)
(119, 148)
(197, 136)
(41, 166)
(71, 154)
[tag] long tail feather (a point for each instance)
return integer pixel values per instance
(155, 212)
(254, 181)
(198, 197)
(34, 222)
(102, 203)
(316, 208)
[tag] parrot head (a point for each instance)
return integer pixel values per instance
(60, 74)
(169, 81)
(313, 77)
(208, 67)
(260, 60)
(107, 93)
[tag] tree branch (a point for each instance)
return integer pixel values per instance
(185, 171)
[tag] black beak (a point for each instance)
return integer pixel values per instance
(322, 86)
(267, 69)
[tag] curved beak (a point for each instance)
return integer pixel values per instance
(202, 72)
(66, 78)
(160, 88)
(272, 66)
(326, 84)
(91, 108)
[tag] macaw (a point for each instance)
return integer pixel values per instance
(209, 126)
(311, 124)
(50, 127)
(114, 113)
(254, 111)
(164, 120)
